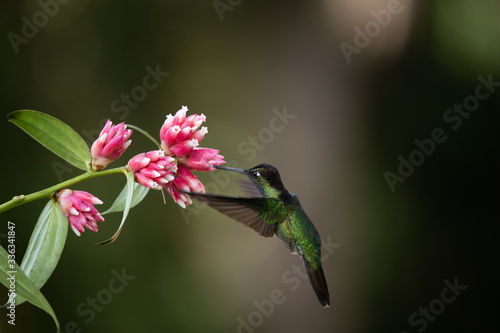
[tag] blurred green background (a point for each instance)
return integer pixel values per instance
(344, 122)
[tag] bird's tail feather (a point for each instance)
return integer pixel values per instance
(318, 282)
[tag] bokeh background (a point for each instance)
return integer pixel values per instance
(344, 122)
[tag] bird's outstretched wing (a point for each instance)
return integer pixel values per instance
(260, 214)
(249, 188)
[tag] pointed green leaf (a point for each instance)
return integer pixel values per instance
(140, 193)
(11, 272)
(55, 135)
(45, 246)
(128, 203)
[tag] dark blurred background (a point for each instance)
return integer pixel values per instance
(334, 94)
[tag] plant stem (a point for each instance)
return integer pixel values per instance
(146, 134)
(22, 199)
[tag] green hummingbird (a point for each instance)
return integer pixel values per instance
(273, 210)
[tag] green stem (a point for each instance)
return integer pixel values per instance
(146, 134)
(22, 199)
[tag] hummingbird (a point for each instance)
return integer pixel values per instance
(272, 210)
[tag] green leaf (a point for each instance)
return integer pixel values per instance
(128, 204)
(54, 135)
(45, 246)
(140, 193)
(23, 285)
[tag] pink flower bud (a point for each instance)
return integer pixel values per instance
(179, 135)
(187, 182)
(78, 206)
(153, 169)
(183, 148)
(202, 159)
(112, 142)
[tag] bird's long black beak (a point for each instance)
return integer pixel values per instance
(230, 169)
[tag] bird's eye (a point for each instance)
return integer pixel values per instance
(256, 174)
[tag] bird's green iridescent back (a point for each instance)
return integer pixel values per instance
(300, 236)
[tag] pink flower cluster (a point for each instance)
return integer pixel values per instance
(153, 169)
(170, 167)
(78, 206)
(112, 142)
